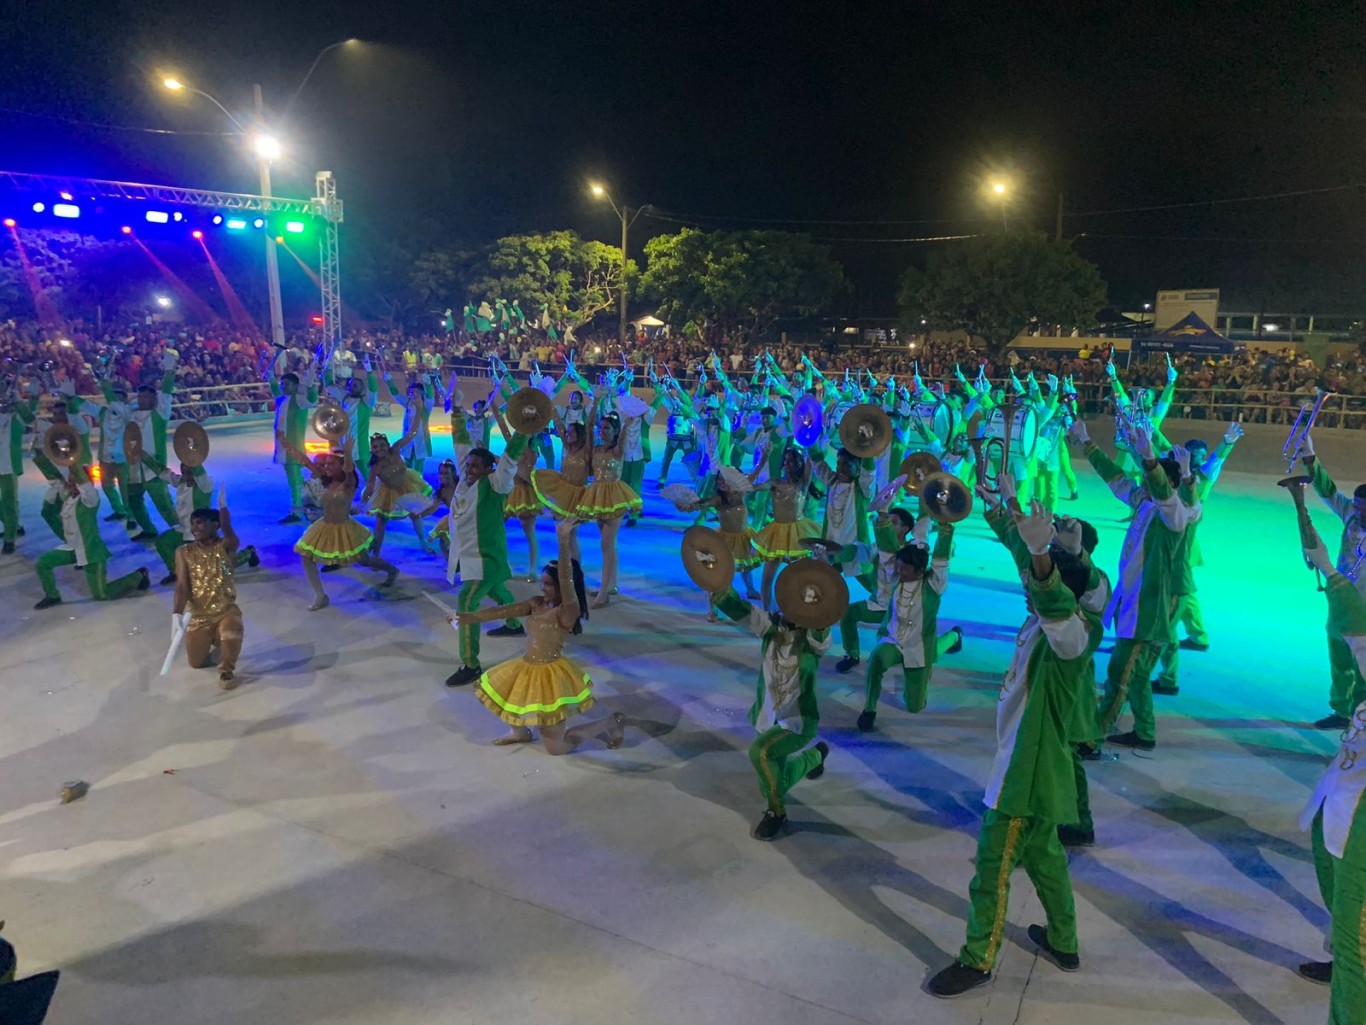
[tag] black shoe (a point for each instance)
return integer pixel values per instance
(1131, 739)
(866, 721)
(1190, 645)
(1038, 935)
(1072, 497)
(464, 675)
(1167, 689)
(632, 522)
(956, 646)
(292, 518)
(847, 663)
(507, 631)
(1088, 752)
(167, 580)
(1073, 836)
(1317, 971)
(22, 531)
(146, 580)
(329, 569)
(819, 770)
(145, 535)
(769, 826)
(115, 518)
(253, 559)
(1333, 722)
(7, 548)
(955, 980)
(47, 603)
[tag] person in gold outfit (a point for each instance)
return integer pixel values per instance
(206, 593)
(543, 688)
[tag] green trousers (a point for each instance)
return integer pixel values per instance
(781, 758)
(471, 596)
(633, 475)
(9, 506)
(1069, 476)
(1187, 616)
(135, 497)
(1128, 679)
(676, 443)
(1002, 844)
(294, 476)
(160, 493)
(1084, 820)
(1046, 487)
(1343, 886)
(114, 484)
(101, 589)
(915, 688)
(858, 612)
(1348, 688)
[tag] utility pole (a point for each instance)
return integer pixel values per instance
(621, 326)
(277, 316)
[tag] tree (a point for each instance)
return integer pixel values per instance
(993, 286)
(575, 278)
(740, 279)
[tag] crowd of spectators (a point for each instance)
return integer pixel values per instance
(1262, 385)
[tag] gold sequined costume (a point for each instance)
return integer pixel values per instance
(214, 615)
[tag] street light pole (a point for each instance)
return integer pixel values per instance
(621, 326)
(277, 315)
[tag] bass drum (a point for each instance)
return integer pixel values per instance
(1024, 431)
(937, 416)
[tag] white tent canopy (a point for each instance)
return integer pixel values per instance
(649, 320)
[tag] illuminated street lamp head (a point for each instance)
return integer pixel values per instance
(597, 189)
(999, 188)
(173, 84)
(164, 301)
(267, 147)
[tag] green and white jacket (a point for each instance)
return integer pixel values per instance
(479, 541)
(1345, 510)
(1339, 793)
(1154, 563)
(152, 422)
(358, 412)
(13, 424)
(785, 692)
(80, 523)
(191, 493)
(291, 413)
(912, 622)
(1047, 705)
(40, 459)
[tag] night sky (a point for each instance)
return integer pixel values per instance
(468, 120)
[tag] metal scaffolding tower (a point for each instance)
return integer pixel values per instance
(329, 257)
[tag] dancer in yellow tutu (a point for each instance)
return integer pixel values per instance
(606, 499)
(395, 491)
(781, 540)
(447, 480)
(543, 688)
(732, 488)
(522, 503)
(336, 539)
(561, 490)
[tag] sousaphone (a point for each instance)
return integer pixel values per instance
(191, 444)
(807, 421)
(811, 594)
(707, 559)
(62, 445)
(945, 498)
(916, 467)
(529, 411)
(132, 443)
(330, 422)
(866, 431)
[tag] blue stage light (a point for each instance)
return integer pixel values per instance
(65, 210)
(39, 207)
(217, 218)
(158, 216)
(259, 223)
(177, 216)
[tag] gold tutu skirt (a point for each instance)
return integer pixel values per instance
(523, 693)
(742, 547)
(556, 492)
(608, 499)
(522, 501)
(412, 496)
(783, 540)
(335, 544)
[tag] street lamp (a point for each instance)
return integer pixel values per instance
(628, 218)
(164, 302)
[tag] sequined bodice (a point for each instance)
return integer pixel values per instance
(391, 471)
(212, 588)
(337, 504)
(606, 464)
(574, 467)
(544, 635)
(733, 518)
(786, 502)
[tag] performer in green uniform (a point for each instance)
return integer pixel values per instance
(1348, 688)
(1336, 816)
(357, 398)
(83, 547)
(52, 506)
(784, 710)
(1043, 711)
(1153, 581)
(291, 421)
(152, 413)
(16, 414)
(112, 415)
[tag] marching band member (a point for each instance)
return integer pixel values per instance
(1031, 789)
(357, 399)
(15, 416)
(417, 415)
(83, 547)
(291, 421)
(152, 414)
(781, 540)
(51, 508)
(112, 413)
(543, 688)
(193, 492)
(1153, 579)
(1348, 686)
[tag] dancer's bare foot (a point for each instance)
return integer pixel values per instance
(601, 602)
(389, 578)
(616, 731)
(519, 735)
(319, 603)
(227, 681)
(712, 617)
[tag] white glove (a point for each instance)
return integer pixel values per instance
(1078, 432)
(1006, 485)
(66, 387)
(1308, 449)
(921, 531)
(1183, 459)
(1036, 529)
(1234, 432)
(1143, 445)
(1069, 535)
(988, 498)
(222, 496)
(1110, 368)
(1171, 374)
(169, 360)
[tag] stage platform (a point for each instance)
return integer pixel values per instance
(337, 842)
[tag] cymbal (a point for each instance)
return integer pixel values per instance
(191, 443)
(708, 560)
(132, 443)
(529, 411)
(916, 467)
(866, 431)
(330, 422)
(945, 498)
(811, 594)
(807, 421)
(62, 445)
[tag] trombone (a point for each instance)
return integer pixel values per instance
(1304, 423)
